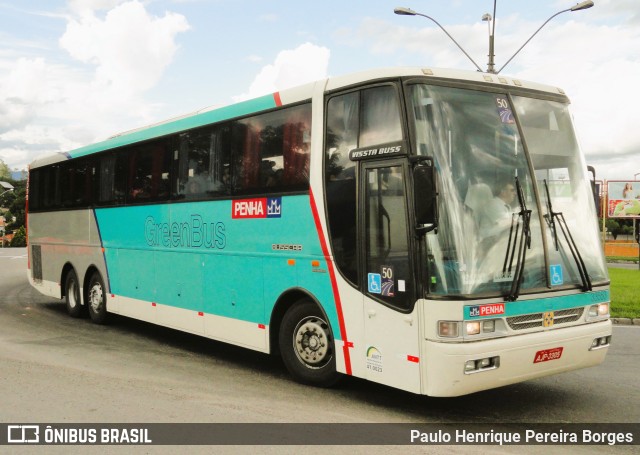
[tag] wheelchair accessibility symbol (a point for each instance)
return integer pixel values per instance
(556, 275)
(375, 283)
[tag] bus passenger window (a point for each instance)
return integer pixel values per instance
(271, 150)
(204, 162)
(149, 173)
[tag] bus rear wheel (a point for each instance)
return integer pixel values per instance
(307, 347)
(72, 295)
(97, 299)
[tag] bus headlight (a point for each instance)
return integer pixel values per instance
(600, 310)
(489, 326)
(473, 328)
(448, 329)
(477, 327)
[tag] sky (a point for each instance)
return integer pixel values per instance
(79, 71)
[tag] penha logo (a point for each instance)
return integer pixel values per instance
(491, 309)
(265, 207)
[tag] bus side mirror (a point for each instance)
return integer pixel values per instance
(425, 195)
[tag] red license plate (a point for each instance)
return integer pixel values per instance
(548, 354)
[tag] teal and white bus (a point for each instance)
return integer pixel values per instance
(348, 225)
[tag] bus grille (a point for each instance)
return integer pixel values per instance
(536, 320)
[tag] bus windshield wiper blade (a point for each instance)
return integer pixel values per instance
(551, 221)
(523, 245)
(564, 227)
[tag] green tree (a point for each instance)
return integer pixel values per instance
(614, 228)
(17, 204)
(19, 238)
(5, 172)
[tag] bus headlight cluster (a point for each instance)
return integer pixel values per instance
(478, 365)
(453, 329)
(599, 311)
(477, 327)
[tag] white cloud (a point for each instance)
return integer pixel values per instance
(47, 107)
(590, 63)
(82, 7)
(129, 47)
(306, 63)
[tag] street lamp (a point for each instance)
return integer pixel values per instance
(491, 20)
(409, 12)
(578, 7)
(491, 23)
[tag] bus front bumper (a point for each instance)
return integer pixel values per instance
(510, 359)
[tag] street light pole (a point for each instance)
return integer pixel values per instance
(492, 33)
(409, 12)
(492, 28)
(580, 6)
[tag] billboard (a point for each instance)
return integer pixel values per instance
(623, 199)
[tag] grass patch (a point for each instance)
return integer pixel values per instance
(625, 293)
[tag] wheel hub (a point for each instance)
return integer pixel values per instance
(311, 341)
(95, 297)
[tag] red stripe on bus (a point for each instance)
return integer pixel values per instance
(276, 98)
(334, 284)
(413, 359)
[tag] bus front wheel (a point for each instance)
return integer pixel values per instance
(97, 299)
(307, 347)
(72, 295)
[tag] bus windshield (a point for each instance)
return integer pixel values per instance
(499, 233)
(563, 184)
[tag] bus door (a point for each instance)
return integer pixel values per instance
(391, 328)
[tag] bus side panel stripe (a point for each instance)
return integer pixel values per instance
(104, 255)
(276, 98)
(334, 284)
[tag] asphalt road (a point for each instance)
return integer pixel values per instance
(57, 369)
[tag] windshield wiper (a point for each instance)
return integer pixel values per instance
(522, 246)
(551, 218)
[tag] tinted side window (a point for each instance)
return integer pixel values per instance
(51, 187)
(35, 189)
(271, 151)
(205, 163)
(111, 179)
(343, 114)
(149, 173)
(75, 183)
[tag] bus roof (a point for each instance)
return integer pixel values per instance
(304, 92)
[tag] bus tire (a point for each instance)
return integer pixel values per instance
(72, 295)
(307, 346)
(97, 299)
